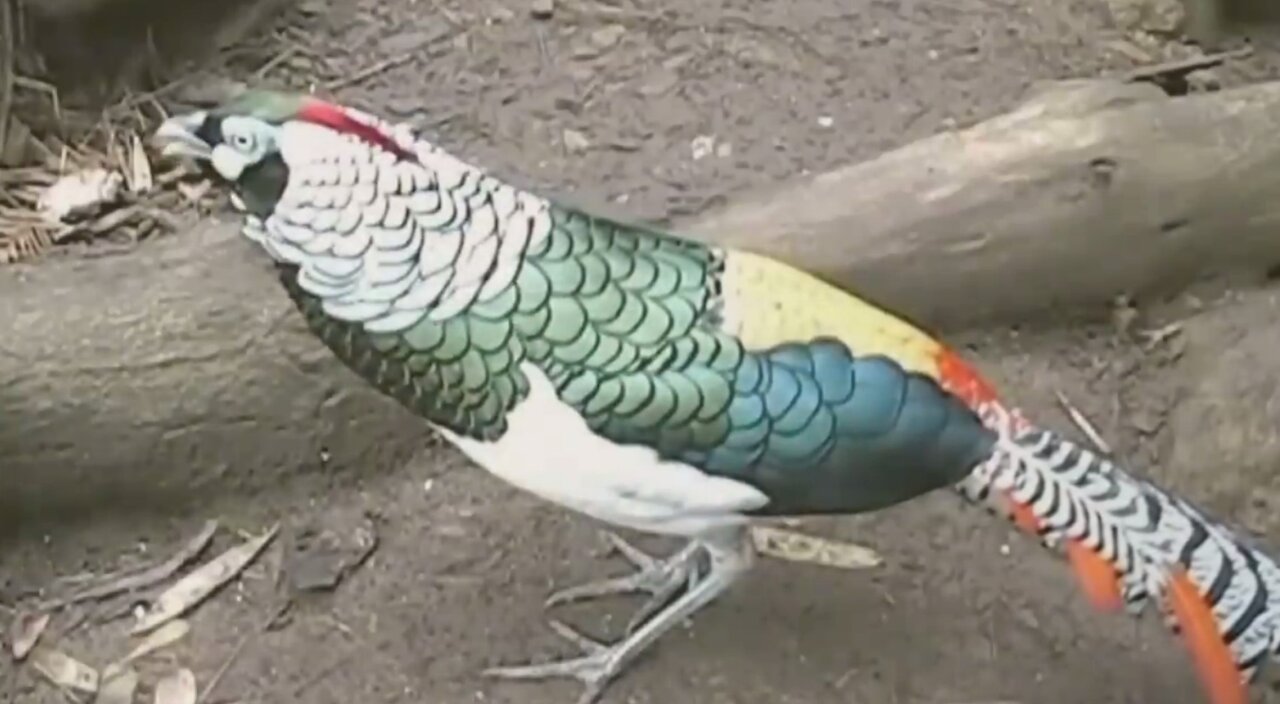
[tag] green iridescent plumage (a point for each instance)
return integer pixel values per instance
(625, 323)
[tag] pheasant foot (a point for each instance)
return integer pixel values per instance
(662, 579)
(731, 554)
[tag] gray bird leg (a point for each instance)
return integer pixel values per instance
(731, 554)
(661, 579)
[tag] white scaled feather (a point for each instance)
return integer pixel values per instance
(385, 242)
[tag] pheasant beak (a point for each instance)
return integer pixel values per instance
(178, 137)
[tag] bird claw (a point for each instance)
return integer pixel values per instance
(661, 579)
(595, 669)
(728, 555)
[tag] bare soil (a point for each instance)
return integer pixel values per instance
(654, 110)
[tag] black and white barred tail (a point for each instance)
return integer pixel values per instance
(1144, 531)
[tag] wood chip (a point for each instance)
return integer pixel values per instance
(66, 672)
(140, 174)
(178, 687)
(25, 632)
(162, 637)
(575, 142)
(118, 687)
(542, 9)
(798, 547)
(194, 588)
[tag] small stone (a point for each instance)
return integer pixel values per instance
(1204, 80)
(826, 121)
(608, 36)
(657, 82)
(701, 146)
(542, 9)
(575, 142)
(585, 50)
(1159, 16)
(1165, 16)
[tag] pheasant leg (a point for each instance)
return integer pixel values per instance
(731, 555)
(661, 579)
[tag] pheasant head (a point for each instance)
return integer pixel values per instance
(252, 140)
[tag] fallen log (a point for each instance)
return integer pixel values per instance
(1089, 190)
(181, 369)
(140, 381)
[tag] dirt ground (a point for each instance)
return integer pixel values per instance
(655, 110)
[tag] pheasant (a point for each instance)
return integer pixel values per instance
(673, 387)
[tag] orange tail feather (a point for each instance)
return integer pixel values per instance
(1213, 660)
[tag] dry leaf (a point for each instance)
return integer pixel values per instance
(80, 192)
(178, 687)
(64, 671)
(162, 637)
(117, 687)
(194, 588)
(25, 632)
(798, 547)
(141, 578)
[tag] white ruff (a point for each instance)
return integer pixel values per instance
(383, 242)
(549, 450)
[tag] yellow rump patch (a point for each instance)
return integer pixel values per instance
(769, 303)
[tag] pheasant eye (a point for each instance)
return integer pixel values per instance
(242, 141)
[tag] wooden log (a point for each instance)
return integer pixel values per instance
(154, 378)
(145, 380)
(1089, 190)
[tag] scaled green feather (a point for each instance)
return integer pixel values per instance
(622, 321)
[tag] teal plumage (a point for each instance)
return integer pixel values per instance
(624, 322)
(821, 430)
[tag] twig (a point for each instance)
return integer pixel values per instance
(370, 71)
(1083, 424)
(7, 69)
(1160, 335)
(448, 15)
(321, 675)
(145, 578)
(266, 625)
(101, 225)
(130, 102)
(41, 86)
(280, 57)
(1181, 67)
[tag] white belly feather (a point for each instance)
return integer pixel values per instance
(549, 450)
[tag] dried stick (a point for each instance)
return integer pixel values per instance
(145, 578)
(7, 68)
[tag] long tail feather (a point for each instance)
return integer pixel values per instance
(1130, 541)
